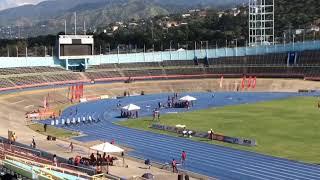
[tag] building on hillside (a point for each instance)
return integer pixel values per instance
(114, 28)
(171, 24)
(186, 15)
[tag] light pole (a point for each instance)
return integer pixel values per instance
(170, 50)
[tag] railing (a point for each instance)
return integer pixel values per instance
(49, 167)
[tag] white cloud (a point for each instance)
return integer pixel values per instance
(22, 2)
(4, 4)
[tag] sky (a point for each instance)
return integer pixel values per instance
(4, 4)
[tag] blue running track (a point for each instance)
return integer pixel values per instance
(207, 159)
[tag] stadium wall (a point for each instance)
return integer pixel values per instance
(7, 62)
(203, 53)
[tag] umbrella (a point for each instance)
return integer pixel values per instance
(107, 148)
(148, 176)
(188, 98)
(131, 107)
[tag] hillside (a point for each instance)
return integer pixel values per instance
(295, 13)
(50, 15)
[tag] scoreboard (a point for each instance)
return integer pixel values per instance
(75, 46)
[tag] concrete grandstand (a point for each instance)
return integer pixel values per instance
(175, 71)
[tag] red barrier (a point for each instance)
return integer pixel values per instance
(243, 82)
(270, 75)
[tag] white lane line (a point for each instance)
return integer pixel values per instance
(17, 102)
(29, 106)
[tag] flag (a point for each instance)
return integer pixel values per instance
(45, 102)
(72, 94)
(221, 82)
(249, 82)
(254, 82)
(243, 83)
(81, 90)
(77, 92)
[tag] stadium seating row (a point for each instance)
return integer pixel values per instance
(262, 71)
(306, 64)
(26, 70)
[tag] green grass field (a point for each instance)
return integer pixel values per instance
(288, 128)
(53, 131)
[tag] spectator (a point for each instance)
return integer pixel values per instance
(92, 159)
(33, 143)
(174, 166)
(154, 115)
(112, 141)
(99, 170)
(147, 163)
(55, 160)
(77, 161)
(70, 161)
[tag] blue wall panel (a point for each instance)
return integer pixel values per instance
(6, 62)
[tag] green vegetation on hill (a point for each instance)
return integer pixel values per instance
(287, 128)
(295, 13)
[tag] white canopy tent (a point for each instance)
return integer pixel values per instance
(131, 107)
(188, 98)
(107, 148)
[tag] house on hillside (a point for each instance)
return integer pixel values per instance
(171, 24)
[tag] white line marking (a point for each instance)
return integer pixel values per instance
(26, 107)
(17, 102)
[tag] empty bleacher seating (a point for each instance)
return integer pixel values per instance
(265, 65)
(102, 74)
(26, 70)
(4, 83)
(308, 58)
(178, 63)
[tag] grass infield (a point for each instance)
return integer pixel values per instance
(287, 128)
(53, 131)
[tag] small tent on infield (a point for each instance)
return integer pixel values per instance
(188, 98)
(107, 148)
(131, 107)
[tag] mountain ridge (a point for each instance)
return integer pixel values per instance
(98, 12)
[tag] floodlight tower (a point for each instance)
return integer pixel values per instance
(261, 22)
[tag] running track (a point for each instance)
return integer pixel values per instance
(207, 159)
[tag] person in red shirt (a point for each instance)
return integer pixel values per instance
(77, 161)
(183, 157)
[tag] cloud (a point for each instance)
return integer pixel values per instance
(22, 2)
(5, 4)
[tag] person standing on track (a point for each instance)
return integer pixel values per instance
(183, 157)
